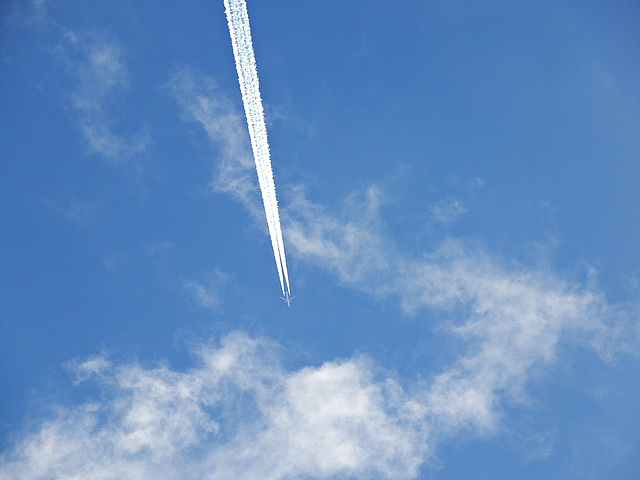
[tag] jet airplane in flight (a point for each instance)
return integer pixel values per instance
(288, 298)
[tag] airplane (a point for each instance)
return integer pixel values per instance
(288, 298)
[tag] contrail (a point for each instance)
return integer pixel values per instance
(238, 20)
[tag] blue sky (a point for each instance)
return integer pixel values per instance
(458, 187)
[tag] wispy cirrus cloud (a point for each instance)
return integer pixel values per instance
(26, 14)
(509, 322)
(96, 80)
(446, 211)
(72, 210)
(512, 318)
(207, 291)
(95, 63)
(238, 413)
(201, 101)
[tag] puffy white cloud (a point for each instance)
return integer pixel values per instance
(335, 419)
(237, 414)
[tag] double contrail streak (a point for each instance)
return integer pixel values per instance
(240, 32)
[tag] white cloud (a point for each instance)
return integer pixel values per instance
(26, 14)
(447, 210)
(96, 64)
(538, 446)
(511, 319)
(205, 295)
(353, 247)
(201, 102)
(327, 421)
(238, 414)
(208, 292)
(73, 210)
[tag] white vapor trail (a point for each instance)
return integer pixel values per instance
(238, 19)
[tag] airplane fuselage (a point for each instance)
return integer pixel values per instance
(287, 298)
